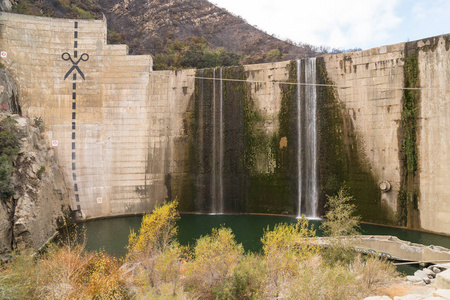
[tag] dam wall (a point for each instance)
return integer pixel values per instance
(238, 139)
(99, 124)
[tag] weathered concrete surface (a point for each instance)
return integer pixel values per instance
(393, 248)
(369, 88)
(9, 93)
(170, 93)
(434, 134)
(102, 131)
(443, 280)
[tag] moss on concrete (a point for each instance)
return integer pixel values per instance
(408, 212)
(272, 190)
(340, 156)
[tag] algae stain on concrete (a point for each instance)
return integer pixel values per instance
(340, 156)
(409, 214)
(272, 190)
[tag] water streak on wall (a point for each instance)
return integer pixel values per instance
(311, 127)
(299, 140)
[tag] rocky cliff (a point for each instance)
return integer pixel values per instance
(34, 196)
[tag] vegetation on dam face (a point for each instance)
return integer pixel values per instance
(216, 267)
(408, 195)
(341, 158)
(258, 175)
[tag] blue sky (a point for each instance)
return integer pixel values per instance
(345, 23)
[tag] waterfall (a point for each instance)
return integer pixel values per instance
(311, 191)
(214, 163)
(221, 204)
(299, 139)
(217, 204)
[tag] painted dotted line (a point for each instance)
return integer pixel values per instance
(74, 115)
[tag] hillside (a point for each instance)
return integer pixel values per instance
(150, 26)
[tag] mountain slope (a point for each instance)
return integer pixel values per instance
(149, 26)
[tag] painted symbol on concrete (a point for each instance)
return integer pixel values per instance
(66, 56)
(54, 143)
(3, 54)
(99, 200)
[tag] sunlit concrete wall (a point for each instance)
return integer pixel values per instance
(100, 124)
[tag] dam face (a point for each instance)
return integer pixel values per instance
(239, 139)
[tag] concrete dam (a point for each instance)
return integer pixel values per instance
(268, 138)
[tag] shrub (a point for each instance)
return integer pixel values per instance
(18, 279)
(9, 148)
(317, 280)
(6, 182)
(341, 225)
(285, 248)
(210, 273)
(155, 253)
(248, 277)
(158, 230)
(374, 271)
(39, 123)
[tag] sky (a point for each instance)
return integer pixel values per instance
(345, 24)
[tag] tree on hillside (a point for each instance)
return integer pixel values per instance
(194, 52)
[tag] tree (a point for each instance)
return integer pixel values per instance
(341, 225)
(273, 55)
(340, 219)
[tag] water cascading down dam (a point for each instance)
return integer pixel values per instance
(217, 205)
(307, 140)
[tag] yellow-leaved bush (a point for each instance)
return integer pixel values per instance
(158, 230)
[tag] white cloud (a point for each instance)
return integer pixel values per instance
(344, 24)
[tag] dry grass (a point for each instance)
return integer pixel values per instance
(63, 272)
(401, 288)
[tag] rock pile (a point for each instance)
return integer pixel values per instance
(428, 275)
(437, 276)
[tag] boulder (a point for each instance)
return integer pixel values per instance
(425, 273)
(9, 93)
(436, 270)
(414, 279)
(443, 280)
(6, 5)
(442, 293)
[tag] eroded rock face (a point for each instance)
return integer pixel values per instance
(30, 218)
(9, 93)
(6, 5)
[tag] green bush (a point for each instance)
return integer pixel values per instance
(341, 225)
(9, 148)
(216, 256)
(6, 182)
(194, 52)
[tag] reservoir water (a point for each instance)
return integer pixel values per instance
(111, 235)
